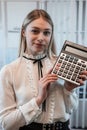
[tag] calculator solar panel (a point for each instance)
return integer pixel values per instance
(73, 60)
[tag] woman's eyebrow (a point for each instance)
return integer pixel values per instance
(42, 29)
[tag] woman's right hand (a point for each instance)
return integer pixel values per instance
(43, 85)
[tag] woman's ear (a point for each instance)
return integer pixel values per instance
(23, 32)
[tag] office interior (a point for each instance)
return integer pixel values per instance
(70, 23)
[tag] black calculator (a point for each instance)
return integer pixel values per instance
(73, 60)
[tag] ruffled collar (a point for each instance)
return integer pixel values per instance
(36, 57)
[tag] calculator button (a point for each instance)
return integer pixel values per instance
(60, 61)
(73, 66)
(75, 61)
(64, 62)
(68, 64)
(83, 65)
(62, 66)
(67, 68)
(61, 57)
(72, 69)
(70, 73)
(72, 57)
(59, 73)
(76, 71)
(55, 71)
(61, 70)
(79, 64)
(68, 76)
(70, 60)
(65, 71)
(57, 67)
(74, 77)
(64, 75)
(82, 69)
(77, 67)
(66, 59)
(67, 56)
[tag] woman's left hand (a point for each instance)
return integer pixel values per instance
(82, 77)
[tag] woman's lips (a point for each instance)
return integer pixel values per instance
(39, 45)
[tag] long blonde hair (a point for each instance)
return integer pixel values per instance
(33, 15)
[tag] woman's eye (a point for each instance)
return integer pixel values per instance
(47, 33)
(34, 31)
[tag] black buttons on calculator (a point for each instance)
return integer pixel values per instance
(70, 67)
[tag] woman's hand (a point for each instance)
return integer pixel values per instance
(43, 85)
(82, 77)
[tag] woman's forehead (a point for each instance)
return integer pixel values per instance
(40, 23)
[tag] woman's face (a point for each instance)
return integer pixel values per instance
(38, 34)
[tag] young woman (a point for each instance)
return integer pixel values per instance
(31, 97)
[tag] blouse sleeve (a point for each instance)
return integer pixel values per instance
(71, 100)
(13, 117)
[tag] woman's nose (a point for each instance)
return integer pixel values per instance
(41, 36)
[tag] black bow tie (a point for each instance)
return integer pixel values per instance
(40, 66)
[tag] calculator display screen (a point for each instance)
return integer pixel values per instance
(76, 51)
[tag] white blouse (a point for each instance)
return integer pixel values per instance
(18, 89)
